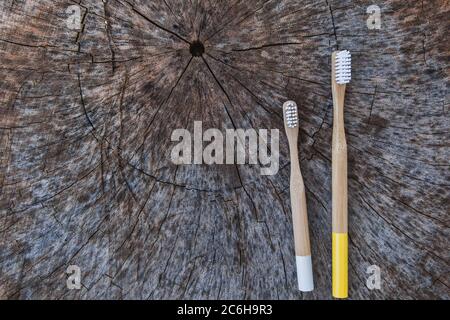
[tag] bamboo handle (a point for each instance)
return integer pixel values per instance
(339, 193)
(339, 171)
(298, 205)
(300, 222)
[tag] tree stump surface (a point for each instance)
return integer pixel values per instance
(86, 118)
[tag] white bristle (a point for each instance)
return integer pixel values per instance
(343, 67)
(290, 114)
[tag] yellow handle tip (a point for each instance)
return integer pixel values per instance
(340, 265)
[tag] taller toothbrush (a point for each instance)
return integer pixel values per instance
(298, 202)
(341, 75)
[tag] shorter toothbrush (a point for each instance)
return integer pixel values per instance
(341, 75)
(298, 202)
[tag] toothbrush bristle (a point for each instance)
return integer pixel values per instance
(291, 114)
(343, 67)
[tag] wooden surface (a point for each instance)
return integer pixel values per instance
(85, 124)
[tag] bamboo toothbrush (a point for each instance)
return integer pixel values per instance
(298, 202)
(341, 75)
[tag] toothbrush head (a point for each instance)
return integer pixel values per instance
(290, 114)
(343, 67)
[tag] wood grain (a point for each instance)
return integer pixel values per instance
(86, 118)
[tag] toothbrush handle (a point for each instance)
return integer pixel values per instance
(300, 223)
(339, 197)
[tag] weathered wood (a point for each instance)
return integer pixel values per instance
(85, 123)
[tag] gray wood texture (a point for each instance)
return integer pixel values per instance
(85, 123)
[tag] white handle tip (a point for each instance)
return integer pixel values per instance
(304, 273)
